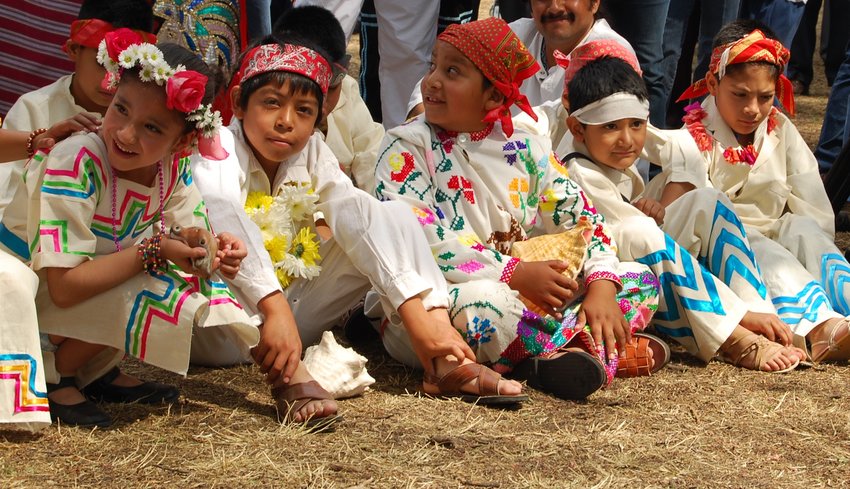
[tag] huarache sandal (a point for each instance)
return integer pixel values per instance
(832, 349)
(103, 390)
(83, 414)
(761, 348)
(451, 384)
(569, 374)
(636, 362)
(289, 398)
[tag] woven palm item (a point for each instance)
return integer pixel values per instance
(569, 246)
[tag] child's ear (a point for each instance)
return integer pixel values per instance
(576, 128)
(73, 50)
(184, 142)
(234, 102)
(565, 101)
(713, 83)
(494, 99)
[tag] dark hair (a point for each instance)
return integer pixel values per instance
(175, 54)
(297, 83)
(317, 25)
(132, 14)
(738, 29)
(603, 77)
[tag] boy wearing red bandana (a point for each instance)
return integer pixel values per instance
(478, 184)
(753, 153)
(80, 91)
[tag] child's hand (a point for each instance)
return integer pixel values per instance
(231, 252)
(279, 350)
(651, 208)
(436, 340)
(182, 255)
(769, 326)
(600, 310)
(542, 283)
(84, 121)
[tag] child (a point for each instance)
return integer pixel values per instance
(346, 123)
(608, 124)
(78, 220)
(753, 153)
(478, 187)
(277, 97)
(23, 399)
(80, 91)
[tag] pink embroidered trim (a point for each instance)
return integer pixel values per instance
(508, 271)
(603, 275)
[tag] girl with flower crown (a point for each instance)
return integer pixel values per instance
(753, 153)
(281, 171)
(78, 220)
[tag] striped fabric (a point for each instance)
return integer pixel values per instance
(32, 33)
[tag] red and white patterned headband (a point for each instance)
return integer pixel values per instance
(289, 58)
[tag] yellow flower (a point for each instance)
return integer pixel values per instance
(277, 246)
(305, 247)
(517, 187)
(283, 277)
(258, 201)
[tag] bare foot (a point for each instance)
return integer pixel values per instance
(748, 350)
(769, 326)
(317, 408)
(444, 365)
(831, 331)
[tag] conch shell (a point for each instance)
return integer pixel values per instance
(195, 237)
(341, 371)
(569, 246)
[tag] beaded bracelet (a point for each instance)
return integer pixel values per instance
(150, 251)
(30, 140)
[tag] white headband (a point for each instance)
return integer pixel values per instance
(614, 107)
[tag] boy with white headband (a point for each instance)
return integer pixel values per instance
(608, 127)
(753, 153)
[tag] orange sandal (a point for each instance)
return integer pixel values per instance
(636, 362)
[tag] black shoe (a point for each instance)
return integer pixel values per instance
(84, 414)
(103, 390)
(572, 376)
(358, 328)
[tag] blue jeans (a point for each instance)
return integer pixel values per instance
(713, 15)
(782, 16)
(836, 122)
(259, 15)
(641, 22)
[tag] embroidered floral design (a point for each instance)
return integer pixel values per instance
(479, 332)
(461, 183)
(425, 216)
(402, 165)
(558, 165)
(517, 188)
(548, 200)
(470, 267)
(511, 149)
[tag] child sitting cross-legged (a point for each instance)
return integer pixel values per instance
(752, 152)
(713, 300)
(478, 186)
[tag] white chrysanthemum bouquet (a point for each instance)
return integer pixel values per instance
(284, 221)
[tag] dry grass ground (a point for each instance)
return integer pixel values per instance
(691, 425)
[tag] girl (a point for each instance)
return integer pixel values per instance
(277, 97)
(78, 219)
(479, 187)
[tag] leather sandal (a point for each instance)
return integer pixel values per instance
(835, 350)
(761, 347)
(83, 414)
(289, 398)
(103, 390)
(569, 374)
(450, 386)
(636, 362)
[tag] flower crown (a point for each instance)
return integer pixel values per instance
(124, 49)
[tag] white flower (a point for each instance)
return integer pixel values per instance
(146, 74)
(128, 57)
(300, 201)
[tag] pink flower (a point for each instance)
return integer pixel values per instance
(185, 90)
(119, 40)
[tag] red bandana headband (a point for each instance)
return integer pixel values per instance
(89, 33)
(494, 48)
(288, 57)
(751, 48)
(593, 50)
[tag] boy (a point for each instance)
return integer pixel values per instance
(478, 186)
(346, 125)
(607, 122)
(80, 91)
(753, 153)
